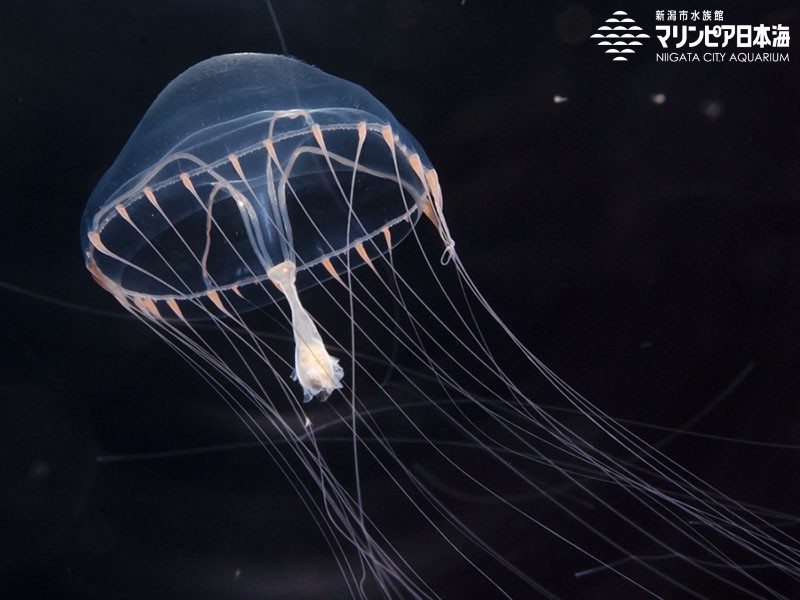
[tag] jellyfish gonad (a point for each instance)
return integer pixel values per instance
(255, 182)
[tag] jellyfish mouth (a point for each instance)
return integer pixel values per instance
(317, 371)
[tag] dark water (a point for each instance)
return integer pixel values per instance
(648, 253)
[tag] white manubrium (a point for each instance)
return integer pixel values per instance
(315, 369)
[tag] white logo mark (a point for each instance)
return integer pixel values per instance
(620, 33)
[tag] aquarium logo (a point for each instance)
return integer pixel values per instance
(620, 35)
(701, 36)
(695, 36)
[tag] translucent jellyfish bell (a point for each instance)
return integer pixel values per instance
(431, 472)
(284, 173)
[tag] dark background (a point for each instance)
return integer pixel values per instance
(648, 253)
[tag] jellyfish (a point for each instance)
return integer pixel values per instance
(286, 235)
